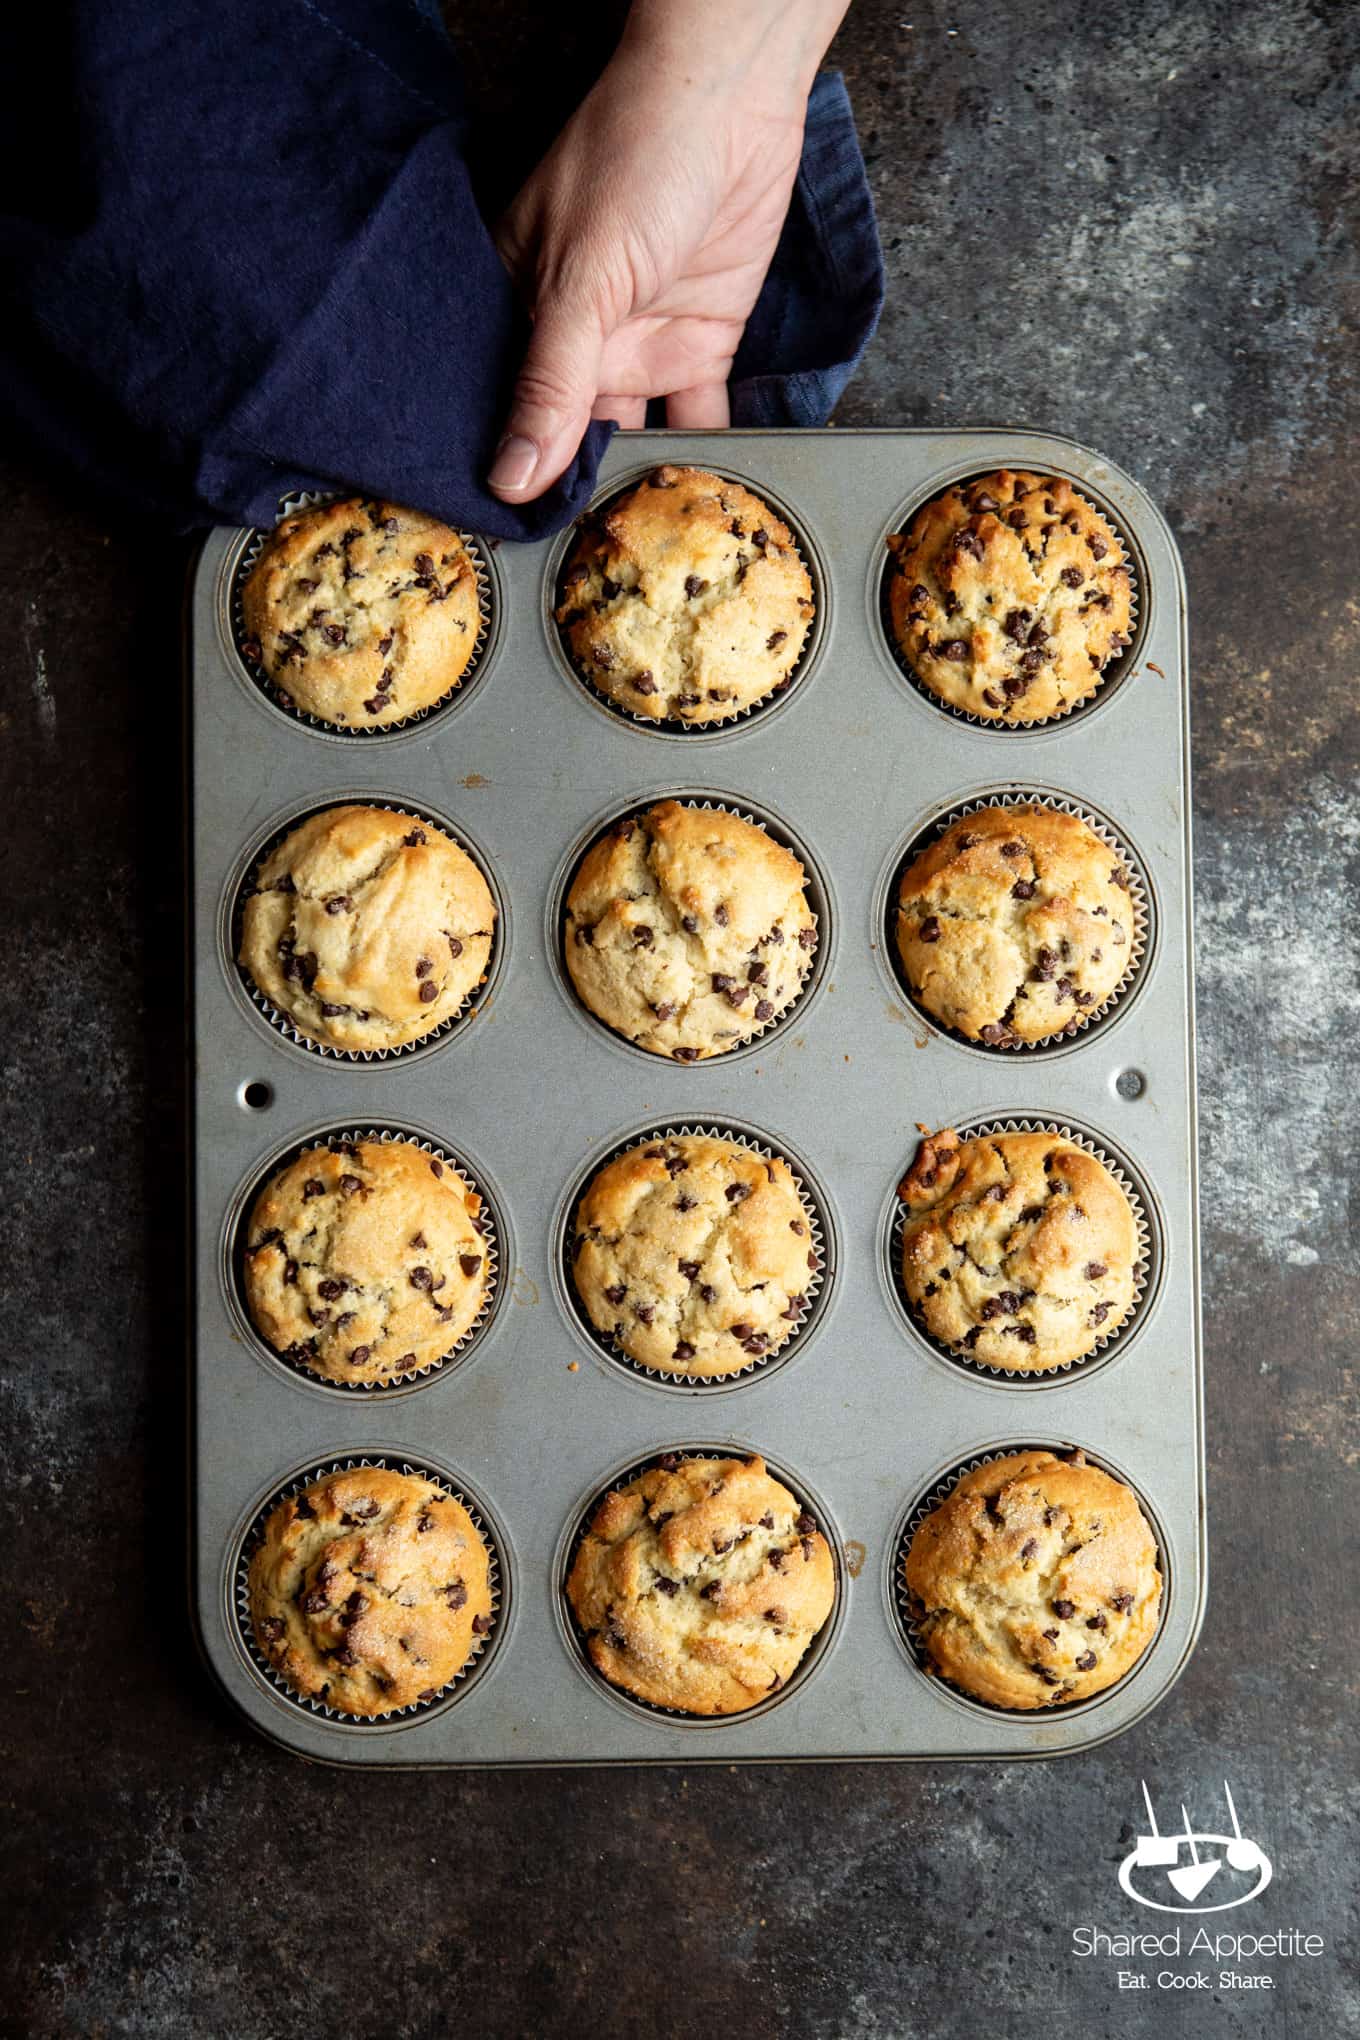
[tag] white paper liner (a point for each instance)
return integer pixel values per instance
(482, 1646)
(488, 1221)
(901, 1598)
(278, 696)
(1144, 1266)
(811, 1657)
(676, 726)
(1139, 900)
(281, 1022)
(817, 1243)
(1114, 670)
(780, 834)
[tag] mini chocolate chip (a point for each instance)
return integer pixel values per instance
(643, 682)
(1023, 889)
(1121, 1603)
(737, 1193)
(1071, 576)
(421, 1278)
(481, 1625)
(330, 1288)
(955, 650)
(350, 1185)
(708, 1292)
(764, 1010)
(1097, 545)
(683, 1351)
(711, 1591)
(429, 992)
(436, 1167)
(930, 928)
(271, 1629)
(721, 915)
(469, 1263)
(694, 586)
(416, 837)
(1087, 1661)
(455, 1593)
(616, 1293)
(1095, 1269)
(1049, 1678)
(775, 640)
(1065, 1610)
(1029, 1547)
(313, 1187)
(670, 1588)
(340, 904)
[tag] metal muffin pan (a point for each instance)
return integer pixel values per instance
(855, 764)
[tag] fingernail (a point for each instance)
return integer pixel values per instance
(516, 459)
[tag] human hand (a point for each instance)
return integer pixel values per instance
(642, 239)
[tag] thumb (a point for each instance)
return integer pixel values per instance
(552, 402)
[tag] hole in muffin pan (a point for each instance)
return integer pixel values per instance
(1148, 1269)
(809, 551)
(255, 1096)
(816, 886)
(236, 1590)
(822, 1239)
(233, 1241)
(578, 1522)
(898, 1604)
(1130, 1083)
(1121, 668)
(1142, 949)
(490, 603)
(231, 907)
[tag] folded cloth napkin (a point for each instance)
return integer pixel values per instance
(242, 258)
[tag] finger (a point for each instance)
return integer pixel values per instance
(630, 413)
(700, 408)
(552, 401)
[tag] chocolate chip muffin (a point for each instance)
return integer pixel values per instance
(688, 930)
(365, 1262)
(1009, 596)
(361, 613)
(1035, 1581)
(1016, 924)
(1018, 1249)
(370, 1590)
(685, 599)
(367, 928)
(694, 1255)
(700, 1584)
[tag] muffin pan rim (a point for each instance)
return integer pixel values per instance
(526, 1428)
(936, 1489)
(574, 1529)
(823, 1238)
(1116, 671)
(454, 1026)
(816, 885)
(741, 720)
(1115, 1344)
(236, 1218)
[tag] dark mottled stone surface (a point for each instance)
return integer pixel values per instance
(1135, 224)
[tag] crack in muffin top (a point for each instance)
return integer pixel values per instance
(1016, 924)
(361, 613)
(688, 930)
(1009, 595)
(684, 599)
(1035, 1581)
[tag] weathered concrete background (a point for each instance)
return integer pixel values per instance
(1134, 223)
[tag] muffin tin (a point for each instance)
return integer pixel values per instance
(533, 1417)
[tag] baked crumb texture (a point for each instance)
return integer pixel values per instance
(1008, 596)
(1016, 925)
(695, 1255)
(370, 1590)
(684, 599)
(688, 930)
(1035, 1582)
(367, 928)
(700, 1584)
(362, 613)
(1019, 1250)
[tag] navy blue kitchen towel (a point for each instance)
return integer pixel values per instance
(242, 257)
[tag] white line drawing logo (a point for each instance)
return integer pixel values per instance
(1191, 1878)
